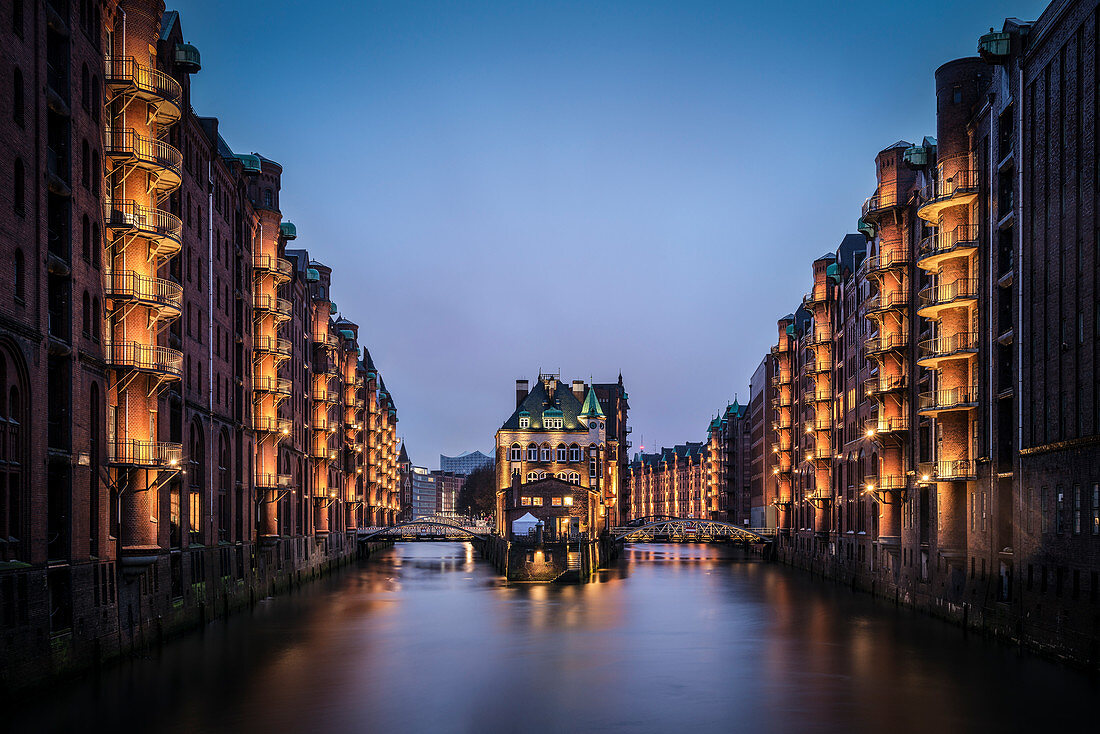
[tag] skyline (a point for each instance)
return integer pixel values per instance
(642, 157)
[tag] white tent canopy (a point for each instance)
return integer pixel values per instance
(523, 525)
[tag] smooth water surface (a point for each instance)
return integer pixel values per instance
(677, 638)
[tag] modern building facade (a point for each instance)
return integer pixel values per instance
(465, 463)
(566, 431)
(188, 422)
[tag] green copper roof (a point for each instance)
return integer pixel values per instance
(288, 230)
(790, 329)
(865, 228)
(250, 163)
(312, 276)
(714, 425)
(833, 271)
(332, 306)
(347, 333)
(552, 413)
(591, 405)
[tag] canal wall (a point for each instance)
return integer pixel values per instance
(168, 594)
(970, 603)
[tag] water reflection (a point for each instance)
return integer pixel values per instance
(675, 638)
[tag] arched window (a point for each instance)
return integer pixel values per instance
(20, 275)
(546, 452)
(574, 452)
(18, 191)
(86, 314)
(17, 97)
(515, 453)
(223, 486)
(196, 473)
(95, 172)
(532, 476)
(269, 198)
(85, 165)
(532, 452)
(574, 478)
(86, 239)
(85, 89)
(560, 453)
(12, 457)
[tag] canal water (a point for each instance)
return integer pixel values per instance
(677, 638)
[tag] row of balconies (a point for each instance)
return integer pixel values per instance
(884, 384)
(955, 184)
(894, 300)
(279, 386)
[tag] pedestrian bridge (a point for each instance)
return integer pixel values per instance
(428, 529)
(691, 530)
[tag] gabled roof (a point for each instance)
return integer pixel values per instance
(538, 402)
(591, 407)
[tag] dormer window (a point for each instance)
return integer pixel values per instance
(552, 422)
(524, 422)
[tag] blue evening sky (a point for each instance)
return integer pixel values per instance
(578, 186)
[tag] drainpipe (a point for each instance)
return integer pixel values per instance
(1017, 262)
(210, 338)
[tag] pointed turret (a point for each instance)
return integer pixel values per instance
(591, 407)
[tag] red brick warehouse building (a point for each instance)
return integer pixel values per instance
(187, 420)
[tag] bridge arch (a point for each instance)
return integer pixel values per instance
(395, 530)
(689, 529)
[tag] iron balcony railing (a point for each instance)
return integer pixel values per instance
(879, 344)
(263, 303)
(888, 424)
(820, 453)
(816, 425)
(943, 346)
(821, 394)
(124, 72)
(126, 215)
(274, 385)
(816, 295)
(821, 364)
(271, 424)
(895, 299)
(963, 289)
(881, 263)
(781, 400)
(962, 237)
(955, 469)
(886, 482)
(955, 176)
(136, 452)
(144, 357)
(281, 268)
(783, 377)
(130, 285)
(948, 398)
(781, 424)
(322, 424)
(882, 199)
(126, 143)
(273, 481)
(272, 345)
(884, 383)
(821, 336)
(324, 395)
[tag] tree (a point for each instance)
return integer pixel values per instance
(477, 498)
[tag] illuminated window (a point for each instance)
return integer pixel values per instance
(537, 501)
(525, 422)
(555, 501)
(568, 501)
(525, 500)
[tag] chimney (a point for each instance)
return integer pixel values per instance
(521, 391)
(578, 390)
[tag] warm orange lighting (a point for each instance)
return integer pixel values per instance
(870, 432)
(924, 477)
